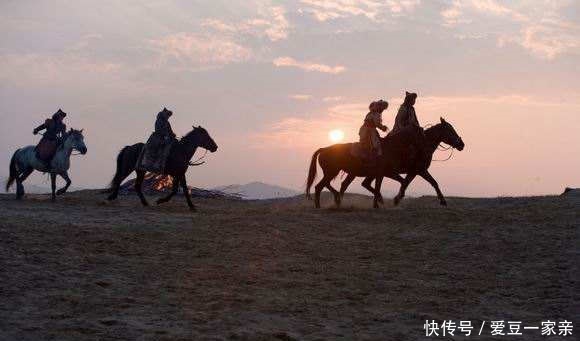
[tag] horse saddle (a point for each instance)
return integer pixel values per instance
(359, 151)
(154, 154)
(46, 148)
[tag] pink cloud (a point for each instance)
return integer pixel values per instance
(196, 51)
(270, 22)
(324, 10)
(308, 66)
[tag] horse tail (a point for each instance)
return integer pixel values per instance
(126, 161)
(312, 172)
(13, 171)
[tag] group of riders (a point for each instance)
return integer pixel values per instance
(152, 158)
(156, 149)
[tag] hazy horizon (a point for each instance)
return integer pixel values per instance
(270, 79)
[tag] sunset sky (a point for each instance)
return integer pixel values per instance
(270, 79)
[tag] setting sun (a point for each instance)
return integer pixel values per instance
(336, 135)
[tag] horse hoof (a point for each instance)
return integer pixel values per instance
(60, 192)
(192, 208)
(443, 203)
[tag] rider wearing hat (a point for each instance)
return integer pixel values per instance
(406, 116)
(369, 136)
(54, 135)
(162, 125)
(406, 120)
(158, 145)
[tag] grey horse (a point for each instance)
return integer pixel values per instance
(24, 162)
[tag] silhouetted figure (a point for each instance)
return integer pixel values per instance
(406, 122)
(406, 116)
(178, 161)
(369, 137)
(395, 160)
(158, 145)
(162, 125)
(52, 138)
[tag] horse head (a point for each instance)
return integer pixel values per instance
(203, 139)
(75, 140)
(450, 136)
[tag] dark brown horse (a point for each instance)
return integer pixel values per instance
(338, 157)
(178, 161)
(399, 161)
(395, 160)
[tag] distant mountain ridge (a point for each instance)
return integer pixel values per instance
(258, 191)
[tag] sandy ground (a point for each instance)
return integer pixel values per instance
(280, 270)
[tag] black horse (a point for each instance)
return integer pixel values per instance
(395, 160)
(178, 161)
(399, 161)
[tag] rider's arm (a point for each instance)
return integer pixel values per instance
(378, 122)
(40, 127)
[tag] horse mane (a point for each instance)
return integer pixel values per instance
(66, 136)
(432, 127)
(188, 136)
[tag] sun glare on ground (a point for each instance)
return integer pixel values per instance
(336, 135)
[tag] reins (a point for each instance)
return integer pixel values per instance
(450, 154)
(199, 161)
(441, 148)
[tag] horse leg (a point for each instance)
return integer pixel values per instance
(430, 179)
(115, 184)
(396, 177)
(367, 184)
(403, 188)
(52, 186)
(125, 166)
(317, 189)
(172, 193)
(345, 183)
(324, 182)
(335, 193)
(138, 184)
(186, 192)
(19, 180)
(63, 190)
(378, 195)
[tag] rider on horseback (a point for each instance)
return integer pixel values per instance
(159, 144)
(406, 121)
(52, 138)
(406, 116)
(369, 136)
(162, 125)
